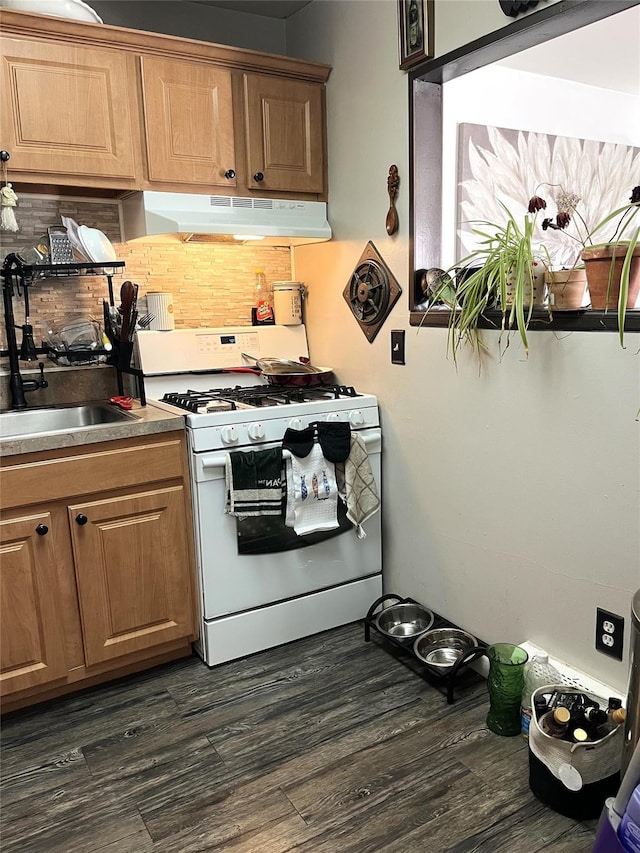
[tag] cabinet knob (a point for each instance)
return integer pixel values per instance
(258, 177)
(42, 530)
(81, 519)
(230, 174)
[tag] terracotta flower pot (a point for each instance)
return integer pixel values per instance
(598, 261)
(566, 289)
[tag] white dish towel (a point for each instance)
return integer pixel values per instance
(312, 493)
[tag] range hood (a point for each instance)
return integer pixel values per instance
(279, 222)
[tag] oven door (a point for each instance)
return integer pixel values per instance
(232, 582)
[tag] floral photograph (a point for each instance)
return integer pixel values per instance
(581, 181)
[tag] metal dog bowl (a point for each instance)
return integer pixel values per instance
(442, 647)
(404, 620)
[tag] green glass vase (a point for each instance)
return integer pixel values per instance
(505, 683)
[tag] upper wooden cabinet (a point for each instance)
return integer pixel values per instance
(90, 105)
(67, 112)
(284, 127)
(188, 117)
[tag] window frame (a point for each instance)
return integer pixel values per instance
(425, 155)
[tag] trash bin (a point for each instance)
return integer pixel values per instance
(632, 723)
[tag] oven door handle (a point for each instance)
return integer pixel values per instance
(218, 460)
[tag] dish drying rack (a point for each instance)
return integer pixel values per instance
(19, 277)
(402, 647)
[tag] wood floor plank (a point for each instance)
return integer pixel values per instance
(23, 781)
(141, 842)
(46, 730)
(153, 743)
(220, 822)
(76, 818)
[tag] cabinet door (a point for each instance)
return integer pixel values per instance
(284, 125)
(133, 567)
(32, 648)
(188, 114)
(66, 110)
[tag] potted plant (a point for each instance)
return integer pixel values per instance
(612, 269)
(511, 261)
(504, 269)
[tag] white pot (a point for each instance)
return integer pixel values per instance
(74, 9)
(539, 289)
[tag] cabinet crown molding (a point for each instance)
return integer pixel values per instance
(47, 28)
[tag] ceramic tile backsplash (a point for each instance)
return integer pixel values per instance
(212, 283)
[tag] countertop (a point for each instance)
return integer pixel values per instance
(149, 419)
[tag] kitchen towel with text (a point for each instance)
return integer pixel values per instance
(254, 482)
(312, 492)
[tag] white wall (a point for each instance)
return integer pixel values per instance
(458, 22)
(511, 495)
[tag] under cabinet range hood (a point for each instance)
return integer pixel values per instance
(204, 218)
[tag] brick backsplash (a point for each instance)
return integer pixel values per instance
(212, 283)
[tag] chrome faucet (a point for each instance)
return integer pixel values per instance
(27, 351)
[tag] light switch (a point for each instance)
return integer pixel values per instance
(397, 346)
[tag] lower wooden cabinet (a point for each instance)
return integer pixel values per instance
(94, 583)
(130, 568)
(32, 640)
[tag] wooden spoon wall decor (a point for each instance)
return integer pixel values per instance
(393, 180)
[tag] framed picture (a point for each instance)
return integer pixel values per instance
(415, 31)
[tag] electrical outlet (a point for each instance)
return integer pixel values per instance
(609, 633)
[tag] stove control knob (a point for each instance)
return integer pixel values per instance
(296, 423)
(256, 431)
(356, 418)
(333, 416)
(229, 435)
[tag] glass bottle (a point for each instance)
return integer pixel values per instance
(556, 723)
(262, 311)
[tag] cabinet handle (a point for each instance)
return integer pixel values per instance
(81, 519)
(258, 177)
(230, 174)
(42, 530)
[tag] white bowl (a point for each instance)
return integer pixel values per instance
(74, 9)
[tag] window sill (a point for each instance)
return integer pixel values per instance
(580, 320)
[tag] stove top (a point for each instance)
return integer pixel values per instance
(187, 372)
(254, 397)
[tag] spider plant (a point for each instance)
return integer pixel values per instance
(505, 253)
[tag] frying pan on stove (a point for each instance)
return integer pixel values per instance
(281, 371)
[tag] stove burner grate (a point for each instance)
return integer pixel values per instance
(255, 396)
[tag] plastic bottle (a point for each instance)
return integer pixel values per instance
(556, 722)
(538, 672)
(262, 311)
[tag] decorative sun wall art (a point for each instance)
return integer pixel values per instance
(497, 164)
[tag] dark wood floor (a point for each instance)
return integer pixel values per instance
(327, 745)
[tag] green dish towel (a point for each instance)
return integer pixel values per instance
(254, 482)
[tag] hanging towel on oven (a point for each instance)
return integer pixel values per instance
(312, 492)
(357, 485)
(254, 482)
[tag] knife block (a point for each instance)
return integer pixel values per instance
(121, 354)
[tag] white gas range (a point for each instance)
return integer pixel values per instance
(260, 584)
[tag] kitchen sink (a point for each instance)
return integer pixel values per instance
(55, 419)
